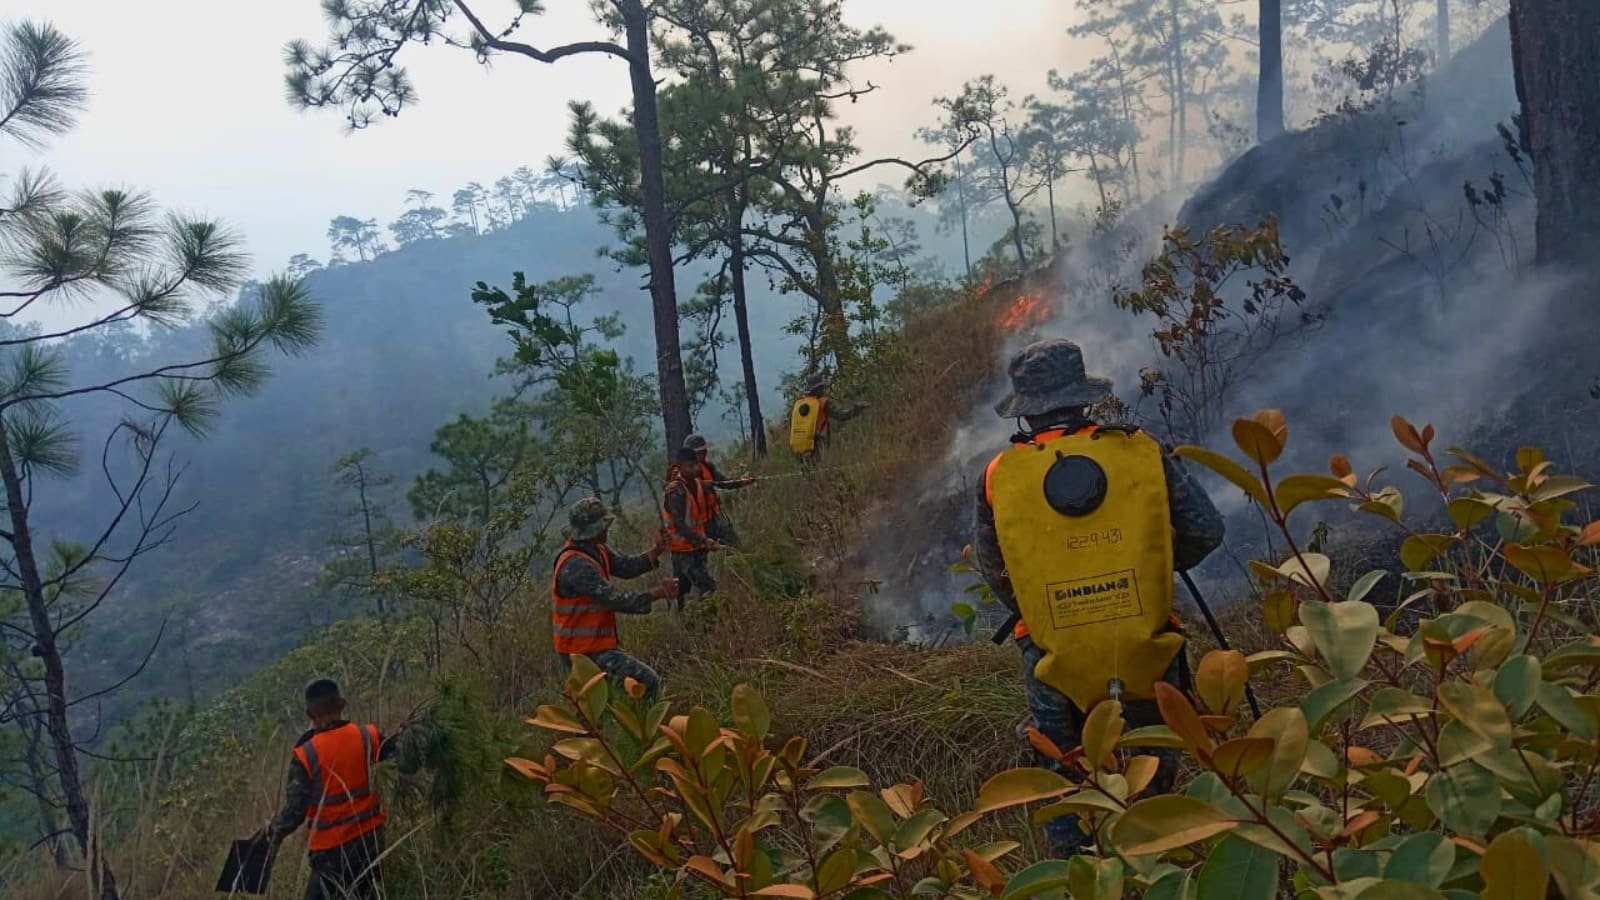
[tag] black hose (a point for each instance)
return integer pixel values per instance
(1222, 640)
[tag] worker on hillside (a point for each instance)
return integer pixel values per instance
(584, 603)
(812, 417)
(685, 520)
(1077, 530)
(720, 527)
(333, 792)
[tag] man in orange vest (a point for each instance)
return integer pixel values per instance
(1051, 397)
(584, 603)
(686, 520)
(720, 527)
(333, 792)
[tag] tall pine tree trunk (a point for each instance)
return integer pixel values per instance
(1180, 96)
(1556, 49)
(1269, 87)
(657, 230)
(48, 650)
(741, 318)
(961, 200)
(1441, 30)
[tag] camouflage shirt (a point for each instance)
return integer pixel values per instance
(580, 577)
(1197, 527)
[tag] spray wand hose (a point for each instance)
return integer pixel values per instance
(1222, 640)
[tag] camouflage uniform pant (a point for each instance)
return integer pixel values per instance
(1058, 719)
(619, 666)
(693, 571)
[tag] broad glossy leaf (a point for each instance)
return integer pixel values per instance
(796, 891)
(1220, 680)
(1089, 878)
(1278, 610)
(915, 830)
(554, 718)
(1180, 716)
(1364, 585)
(1466, 798)
(1157, 736)
(1418, 551)
(1395, 706)
(1167, 822)
(1241, 756)
(1286, 727)
(1044, 877)
(1559, 704)
(1469, 512)
(873, 815)
(1227, 468)
(1389, 889)
(1328, 699)
(1239, 870)
(1014, 787)
(1256, 441)
(1297, 489)
(1457, 744)
(837, 778)
(1424, 859)
(1542, 562)
(1477, 708)
(750, 713)
(1101, 729)
(1575, 865)
(1345, 633)
(1514, 867)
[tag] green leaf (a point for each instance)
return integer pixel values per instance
(1290, 734)
(1478, 709)
(1017, 786)
(873, 815)
(1395, 706)
(1179, 885)
(915, 830)
(1297, 489)
(1398, 890)
(1466, 798)
(1364, 585)
(1239, 870)
(1040, 878)
(1101, 729)
(836, 870)
(1326, 700)
(1159, 736)
(1575, 864)
(1423, 859)
(1558, 703)
(1350, 864)
(1419, 550)
(837, 778)
(750, 713)
(1469, 512)
(1514, 867)
(1228, 469)
(1094, 879)
(1164, 823)
(1345, 633)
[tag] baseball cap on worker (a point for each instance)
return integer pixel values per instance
(1047, 376)
(696, 442)
(588, 518)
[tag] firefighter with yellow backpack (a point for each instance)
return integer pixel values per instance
(811, 419)
(1078, 528)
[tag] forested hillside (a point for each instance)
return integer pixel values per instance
(1325, 273)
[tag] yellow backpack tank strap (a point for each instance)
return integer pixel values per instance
(1095, 589)
(803, 419)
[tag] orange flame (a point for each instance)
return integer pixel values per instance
(1028, 311)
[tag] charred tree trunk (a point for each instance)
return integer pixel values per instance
(1269, 88)
(1556, 47)
(48, 650)
(658, 232)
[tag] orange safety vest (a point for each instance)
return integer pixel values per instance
(698, 513)
(344, 806)
(1020, 631)
(713, 502)
(577, 624)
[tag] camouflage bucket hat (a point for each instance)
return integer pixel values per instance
(696, 442)
(588, 518)
(1047, 376)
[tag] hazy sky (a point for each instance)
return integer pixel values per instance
(188, 104)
